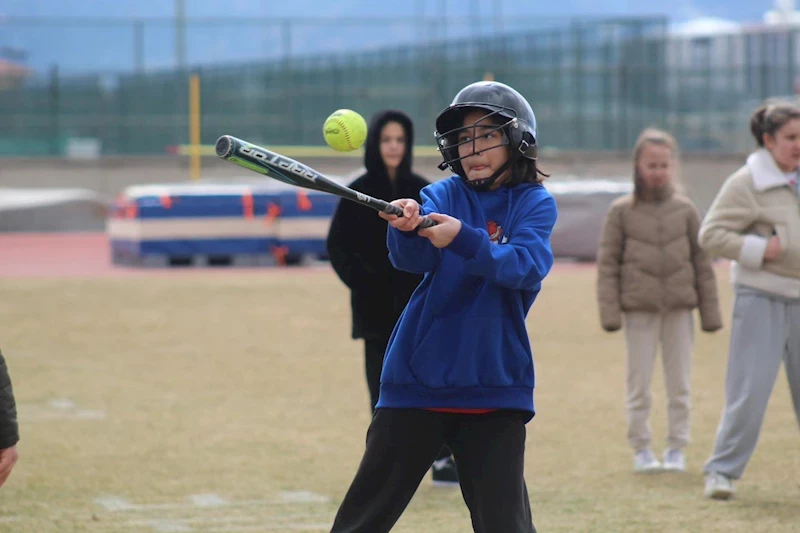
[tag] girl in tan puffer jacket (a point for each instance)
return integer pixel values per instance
(651, 275)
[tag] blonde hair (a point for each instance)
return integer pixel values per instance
(655, 137)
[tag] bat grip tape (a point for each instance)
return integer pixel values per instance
(394, 210)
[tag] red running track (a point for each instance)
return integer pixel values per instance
(88, 255)
(85, 255)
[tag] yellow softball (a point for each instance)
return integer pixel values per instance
(345, 130)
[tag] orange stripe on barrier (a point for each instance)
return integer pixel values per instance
(247, 205)
(303, 203)
(273, 212)
(280, 253)
(120, 206)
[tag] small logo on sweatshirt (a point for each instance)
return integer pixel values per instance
(495, 231)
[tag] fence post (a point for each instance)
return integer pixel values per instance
(54, 109)
(662, 44)
(607, 120)
(763, 67)
(734, 88)
(578, 81)
(287, 76)
(194, 126)
(557, 63)
(790, 33)
(138, 46)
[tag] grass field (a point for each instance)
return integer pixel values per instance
(235, 402)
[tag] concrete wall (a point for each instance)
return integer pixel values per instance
(702, 174)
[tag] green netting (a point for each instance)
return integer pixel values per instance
(593, 85)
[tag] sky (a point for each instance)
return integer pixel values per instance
(100, 35)
(678, 9)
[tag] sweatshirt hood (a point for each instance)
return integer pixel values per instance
(373, 162)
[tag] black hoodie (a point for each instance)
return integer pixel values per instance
(357, 238)
(9, 430)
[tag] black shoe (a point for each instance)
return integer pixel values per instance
(444, 472)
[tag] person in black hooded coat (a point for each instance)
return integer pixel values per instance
(358, 253)
(9, 428)
(357, 240)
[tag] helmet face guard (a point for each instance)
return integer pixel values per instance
(456, 135)
(505, 108)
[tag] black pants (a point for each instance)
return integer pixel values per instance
(489, 451)
(374, 353)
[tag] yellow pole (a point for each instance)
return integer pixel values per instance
(488, 76)
(194, 126)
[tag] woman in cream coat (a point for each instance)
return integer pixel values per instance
(755, 221)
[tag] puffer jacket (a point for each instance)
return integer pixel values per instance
(9, 430)
(649, 260)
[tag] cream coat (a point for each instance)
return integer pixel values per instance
(755, 203)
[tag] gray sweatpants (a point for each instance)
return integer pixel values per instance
(765, 331)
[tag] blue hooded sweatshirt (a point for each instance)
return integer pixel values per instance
(461, 342)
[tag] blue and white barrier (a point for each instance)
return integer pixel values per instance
(247, 224)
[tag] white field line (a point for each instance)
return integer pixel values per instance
(117, 504)
(230, 524)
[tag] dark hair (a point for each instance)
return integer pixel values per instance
(526, 170)
(769, 118)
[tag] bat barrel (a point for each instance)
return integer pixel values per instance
(291, 172)
(225, 146)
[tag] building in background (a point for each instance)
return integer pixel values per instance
(596, 83)
(12, 74)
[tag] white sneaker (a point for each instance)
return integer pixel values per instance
(645, 462)
(674, 460)
(719, 486)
